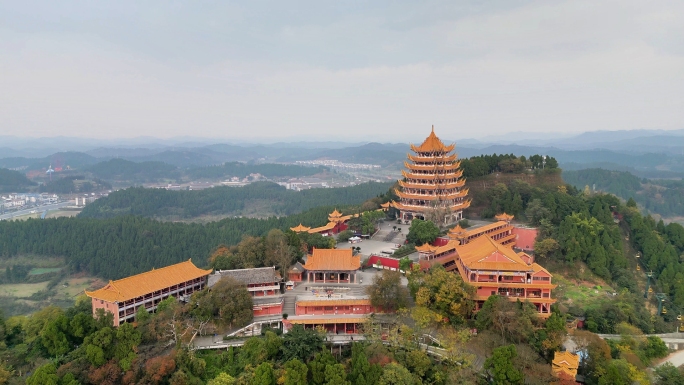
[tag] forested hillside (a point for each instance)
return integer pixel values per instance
(74, 184)
(242, 170)
(477, 166)
(124, 170)
(13, 181)
(71, 159)
(125, 245)
(660, 196)
(577, 229)
(161, 203)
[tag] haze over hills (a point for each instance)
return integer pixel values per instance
(646, 153)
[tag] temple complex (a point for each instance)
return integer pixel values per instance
(263, 284)
(336, 223)
(260, 281)
(500, 231)
(337, 309)
(432, 182)
(125, 296)
(332, 266)
(494, 269)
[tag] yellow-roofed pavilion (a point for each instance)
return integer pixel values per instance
(300, 228)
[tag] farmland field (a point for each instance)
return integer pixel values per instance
(22, 290)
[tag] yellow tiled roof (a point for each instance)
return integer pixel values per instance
(427, 248)
(300, 228)
(428, 197)
(566, 358)
(474, 255)
(328, 226)
(455, 175)
(447, 158)
(457, 232)
(537, 268)
(483, 229)
(440, 186)
(332, 259)
(460, 206)
(432, 144)
(504, 217)
(138, 285)
(432, 167)
(335, 214)
(565, 362)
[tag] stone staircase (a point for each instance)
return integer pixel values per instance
(289, 303)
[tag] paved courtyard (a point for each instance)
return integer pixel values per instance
(370, 246)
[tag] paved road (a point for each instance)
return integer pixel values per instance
(38, 209)
(676, 359)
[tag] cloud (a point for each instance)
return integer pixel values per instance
(370, 72)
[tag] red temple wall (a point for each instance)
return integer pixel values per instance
(264, 310)
(295, 277)
(108, 307)
(321, 310)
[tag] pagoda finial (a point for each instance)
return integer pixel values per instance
(433, 128)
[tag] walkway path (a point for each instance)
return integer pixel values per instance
(672, 340)
(676, 359)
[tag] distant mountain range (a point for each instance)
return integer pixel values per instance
(647, 153)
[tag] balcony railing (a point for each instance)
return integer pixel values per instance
(160, 296)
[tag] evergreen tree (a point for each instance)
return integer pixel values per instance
(500, 369)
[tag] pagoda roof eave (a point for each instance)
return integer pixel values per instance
(459, 194)
(429, 167)
(428, 149)
(419, 209)
(443, 158)
(443, 186)
(454, 175)
(432, 144)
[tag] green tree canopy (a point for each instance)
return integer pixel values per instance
(422, 232)
(386, 292)
(500, 369)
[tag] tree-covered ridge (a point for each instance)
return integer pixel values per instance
(661, 248)
(74, 184)
(118, 169)
(577, 227)
(160, 203)
(121, 169)
(242, 170)
(66, 159)
(506, 163)
(126, 245)
(660, 196)
(13, 181)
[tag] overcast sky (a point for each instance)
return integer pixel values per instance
(367, 70)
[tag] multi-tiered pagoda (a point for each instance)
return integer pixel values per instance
(432, 183)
